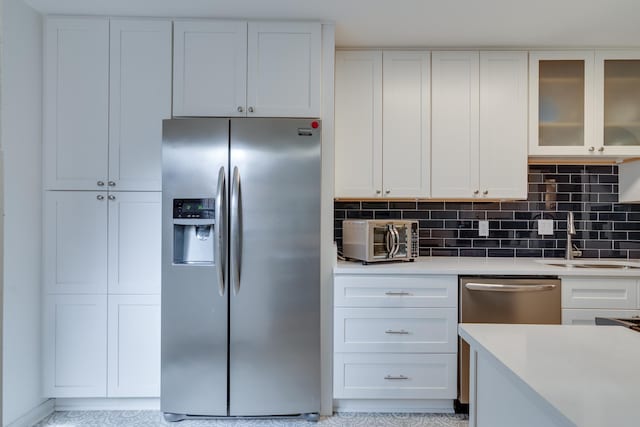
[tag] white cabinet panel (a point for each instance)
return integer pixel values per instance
(394, 376)
(76, 102)
(140, 98)
(587, 316)
(599, 292)
(395, 291)
(75, 242)
(284, 62)
(134, 346)
(75, 346)
(358, 124)
(210, 68)
(405, 128)
(396, 330)
(503, 124)
(134, 242)
(454, 125)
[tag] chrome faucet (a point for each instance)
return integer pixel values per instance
(571, 250)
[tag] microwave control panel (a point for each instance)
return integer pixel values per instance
(414, 240)
(194, 209)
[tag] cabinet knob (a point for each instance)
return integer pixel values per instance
(240, 109)
(387, 191)
(250, 109)
(112, 197)
(485, 192)
(112, 183)
(100, 183)
(601, 149)
(378, 192)
(591, 149)
(100, 197)
(476, 192)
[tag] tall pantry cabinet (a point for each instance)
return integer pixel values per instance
(107, 88)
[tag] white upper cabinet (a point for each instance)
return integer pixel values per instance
(358, 124)
(405, 124)
(76, 102)
(140, 98)
(454, 127)
(106, 93)
(259, 69)
(209, 68)
(479, 125)
(382, 124)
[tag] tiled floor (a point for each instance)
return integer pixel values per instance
(153, 418)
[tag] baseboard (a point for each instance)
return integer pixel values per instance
(35, 415)
(418, 406)
(113, 404)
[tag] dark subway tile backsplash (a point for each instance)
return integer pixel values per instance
(605, 228)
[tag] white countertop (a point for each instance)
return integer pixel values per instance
(590, 374)
(482, 266)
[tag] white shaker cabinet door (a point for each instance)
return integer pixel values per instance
(75, 242)
(454, 124)
(76, 103)
(284, 66)
(503, 124)
(358, 124)
(134, 242)
(140, 98)
(75, 346)
(209, 68)
(405, 127)
(134, 346)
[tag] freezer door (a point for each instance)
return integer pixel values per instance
(194, 295)
(274, 354)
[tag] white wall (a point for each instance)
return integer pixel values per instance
(22, 144)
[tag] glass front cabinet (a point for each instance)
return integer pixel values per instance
(584, 103)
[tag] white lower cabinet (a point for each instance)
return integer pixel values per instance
(134, 346)
(585, 298)
(395, 337)
(75, 350)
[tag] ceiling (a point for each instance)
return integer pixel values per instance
(410, 23)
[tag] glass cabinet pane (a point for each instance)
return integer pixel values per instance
(622, 102)
(561, 103)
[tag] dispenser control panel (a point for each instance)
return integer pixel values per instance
(194, 208)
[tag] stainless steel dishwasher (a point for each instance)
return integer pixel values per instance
(504, 299)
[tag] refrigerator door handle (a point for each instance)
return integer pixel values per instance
(221, 230)
(236, 231)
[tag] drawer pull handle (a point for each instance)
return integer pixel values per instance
(400, 332)
(399, 377)
(396, 294)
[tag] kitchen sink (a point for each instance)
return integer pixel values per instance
(586, 263)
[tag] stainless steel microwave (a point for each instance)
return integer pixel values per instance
(380, 240)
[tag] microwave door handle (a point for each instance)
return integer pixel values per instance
(396, 241)
(388, 241)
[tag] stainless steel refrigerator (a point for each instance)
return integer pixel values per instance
(240, 268)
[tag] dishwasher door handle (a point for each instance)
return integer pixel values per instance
(503, 287)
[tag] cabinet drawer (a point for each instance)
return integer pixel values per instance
(395, 330)
(599, 292)
(396, 291)
(583, 316)
(394, 376)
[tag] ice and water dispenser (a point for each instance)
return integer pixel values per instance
(193, 231)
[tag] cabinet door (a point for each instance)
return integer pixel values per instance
(76, 103)
(454, 126)
(75, 346)
(284, 61)
(134, 346)
(134, 242)
(75, 242)
(209, 68)
(584, 316)
(561, 103)
(503, 124)
(140, 99)
(405, 127)
(599, 292)
(617, 119)
(358, 124)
